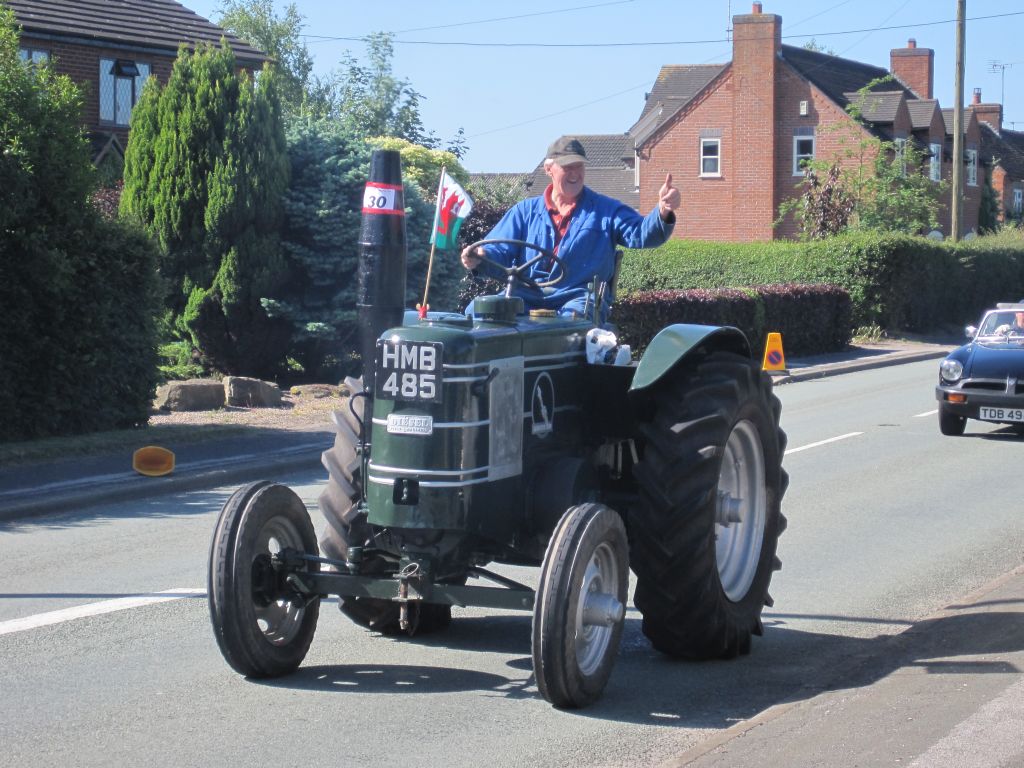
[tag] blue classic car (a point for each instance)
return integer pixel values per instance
(984, 379)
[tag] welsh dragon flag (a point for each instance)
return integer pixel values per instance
(453, 206)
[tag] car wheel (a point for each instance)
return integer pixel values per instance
(950, 423)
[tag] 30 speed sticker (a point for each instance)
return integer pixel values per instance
(383, 198)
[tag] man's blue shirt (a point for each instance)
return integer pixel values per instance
(599, 225)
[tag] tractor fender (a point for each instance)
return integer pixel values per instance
(675, 342)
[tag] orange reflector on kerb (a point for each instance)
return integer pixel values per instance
(774, 360)
(153, 461)
(955, 397)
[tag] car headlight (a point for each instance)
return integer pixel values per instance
(951, 370)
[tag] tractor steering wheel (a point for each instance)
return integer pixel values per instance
(517, 273)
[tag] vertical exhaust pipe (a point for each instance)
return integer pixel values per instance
(381, 298)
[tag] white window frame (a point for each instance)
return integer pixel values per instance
(1018, 201)
(972, 167)
(34, 55)
(935, 162)
(798, 157)
(111, 87)
(716, 157)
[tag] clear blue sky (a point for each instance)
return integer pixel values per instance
(512, 101)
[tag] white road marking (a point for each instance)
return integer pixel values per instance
(926, 413)
(822, 442)
(95, 609)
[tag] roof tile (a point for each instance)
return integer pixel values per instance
(141, 23)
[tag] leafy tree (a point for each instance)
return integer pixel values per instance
(371, 101)
(320, 236)
(256, 22)
(870, 183)
(205, 169)
(825, 206)
(814, 45)
(422, 166)
(988, 213)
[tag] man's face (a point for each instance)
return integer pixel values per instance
(567, 180)
(1020, 319)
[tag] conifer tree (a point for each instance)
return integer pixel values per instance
(205, 174)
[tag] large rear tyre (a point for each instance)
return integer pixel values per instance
(705, 531)
(263, 627)
(950, 424)
(580, 608)
(346, 527)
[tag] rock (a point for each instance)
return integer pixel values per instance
(315, 390)
(251, 393)
(191, 395)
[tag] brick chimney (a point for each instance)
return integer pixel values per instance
(915, 67)
(987, 113)
(757, 43)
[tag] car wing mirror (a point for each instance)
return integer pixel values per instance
(970, 330)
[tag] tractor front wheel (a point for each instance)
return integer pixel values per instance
(580, 608)
(262, 625)
(704, 532)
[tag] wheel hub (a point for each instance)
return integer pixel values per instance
(741, 511)
(599, 609)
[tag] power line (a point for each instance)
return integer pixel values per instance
(512, 18)
(655, 43)
(561, 111)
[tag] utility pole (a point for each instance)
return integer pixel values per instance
(958, 124)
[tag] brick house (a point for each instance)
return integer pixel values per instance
(734, 135)
(1003, 152)
(110, 48)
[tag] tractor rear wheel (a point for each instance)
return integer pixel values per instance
(339, 504)
(263, 627)
(704, 533)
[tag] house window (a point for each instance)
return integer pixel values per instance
(121, 82)
(972, 167)
(901, 155)
(803, 153)
(1018, 202)
(710, 157)
(935, 162)
(34, 55)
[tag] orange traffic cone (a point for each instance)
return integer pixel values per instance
(153, 461)
(774, 360)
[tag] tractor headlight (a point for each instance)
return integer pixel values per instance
(951, 370)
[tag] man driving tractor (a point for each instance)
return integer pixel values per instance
(582, 228)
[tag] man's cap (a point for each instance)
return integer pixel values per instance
(566, 150)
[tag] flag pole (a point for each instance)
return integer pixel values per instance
(430, 263)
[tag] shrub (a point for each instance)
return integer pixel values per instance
(320, 237)
(811, 318)
(897, 282)
(76, 291)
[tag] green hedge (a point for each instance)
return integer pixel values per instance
(811, 318)
(896, 282)
(78, 338)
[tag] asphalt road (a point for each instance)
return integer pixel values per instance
(889, 524)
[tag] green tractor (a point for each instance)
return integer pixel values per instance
(491, 438)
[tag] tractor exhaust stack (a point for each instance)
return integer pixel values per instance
(381, 298)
